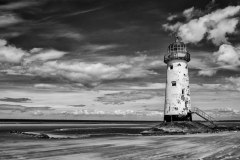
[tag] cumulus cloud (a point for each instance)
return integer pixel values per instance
(194, 30)
(219, 31)
(215, 24)
(232, 83)
(207, 72)
(171, 17)
(121, 97)
(9, 53)
(188, 13)
(173, 28)
(86, 73)
(12, 54)
(37, 113)
(227, 54)
(227, 58)
(39, 62)
(44, 54)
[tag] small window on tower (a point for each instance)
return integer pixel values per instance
(182, 91)
(171, 66)
(174, 83)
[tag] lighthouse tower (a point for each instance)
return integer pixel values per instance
(177, 94)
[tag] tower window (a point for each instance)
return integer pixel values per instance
(182, 91)
(171, 66)
(174, 83)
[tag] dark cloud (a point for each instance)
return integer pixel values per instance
(80, 105)
(17, 100)
(160, 110)
(22, 108)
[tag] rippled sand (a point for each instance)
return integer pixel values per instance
(186, 147)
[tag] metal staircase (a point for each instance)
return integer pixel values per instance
(203, 115)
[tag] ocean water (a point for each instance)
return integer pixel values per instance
(113, 141)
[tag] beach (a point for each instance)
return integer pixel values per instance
(70, 144)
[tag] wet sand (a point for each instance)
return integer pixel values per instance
(224, 145)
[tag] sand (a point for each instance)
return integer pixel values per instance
(224, 145)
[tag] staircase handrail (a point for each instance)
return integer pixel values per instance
(203, 115)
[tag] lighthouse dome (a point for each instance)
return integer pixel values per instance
(177, 50)
(177, 46)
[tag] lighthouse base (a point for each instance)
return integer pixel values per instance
(171, 118)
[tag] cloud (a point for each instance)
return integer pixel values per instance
(227, 54)
(215, 24)
(113, 113)
(9, 19)
(173, 28)
(38, 113)
(79, 105)
(18, 5)
(10, 34)
(86, 11)
(192, 12)
(171, 17)
(86, 73)
(194, 30)
(63, 33)
(233, 83)
(39, 62)
(188, 13)
(219, 31)
(44, 54)
(150, 86)
(121, 97)
(12, 54)
(9, 53)
(96, 47)
(18, 100)
(45, 86)
(207, 72)
(22, 108)
(3, 42)
(224, 111)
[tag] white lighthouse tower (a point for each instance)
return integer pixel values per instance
(177, 94)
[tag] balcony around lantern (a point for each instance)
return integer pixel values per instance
(176, 55)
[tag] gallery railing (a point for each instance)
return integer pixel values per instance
(176, 55)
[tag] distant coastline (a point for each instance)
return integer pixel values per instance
(92, 121)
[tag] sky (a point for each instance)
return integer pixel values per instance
(103, 59)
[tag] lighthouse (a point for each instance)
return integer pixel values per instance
(177, 105)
